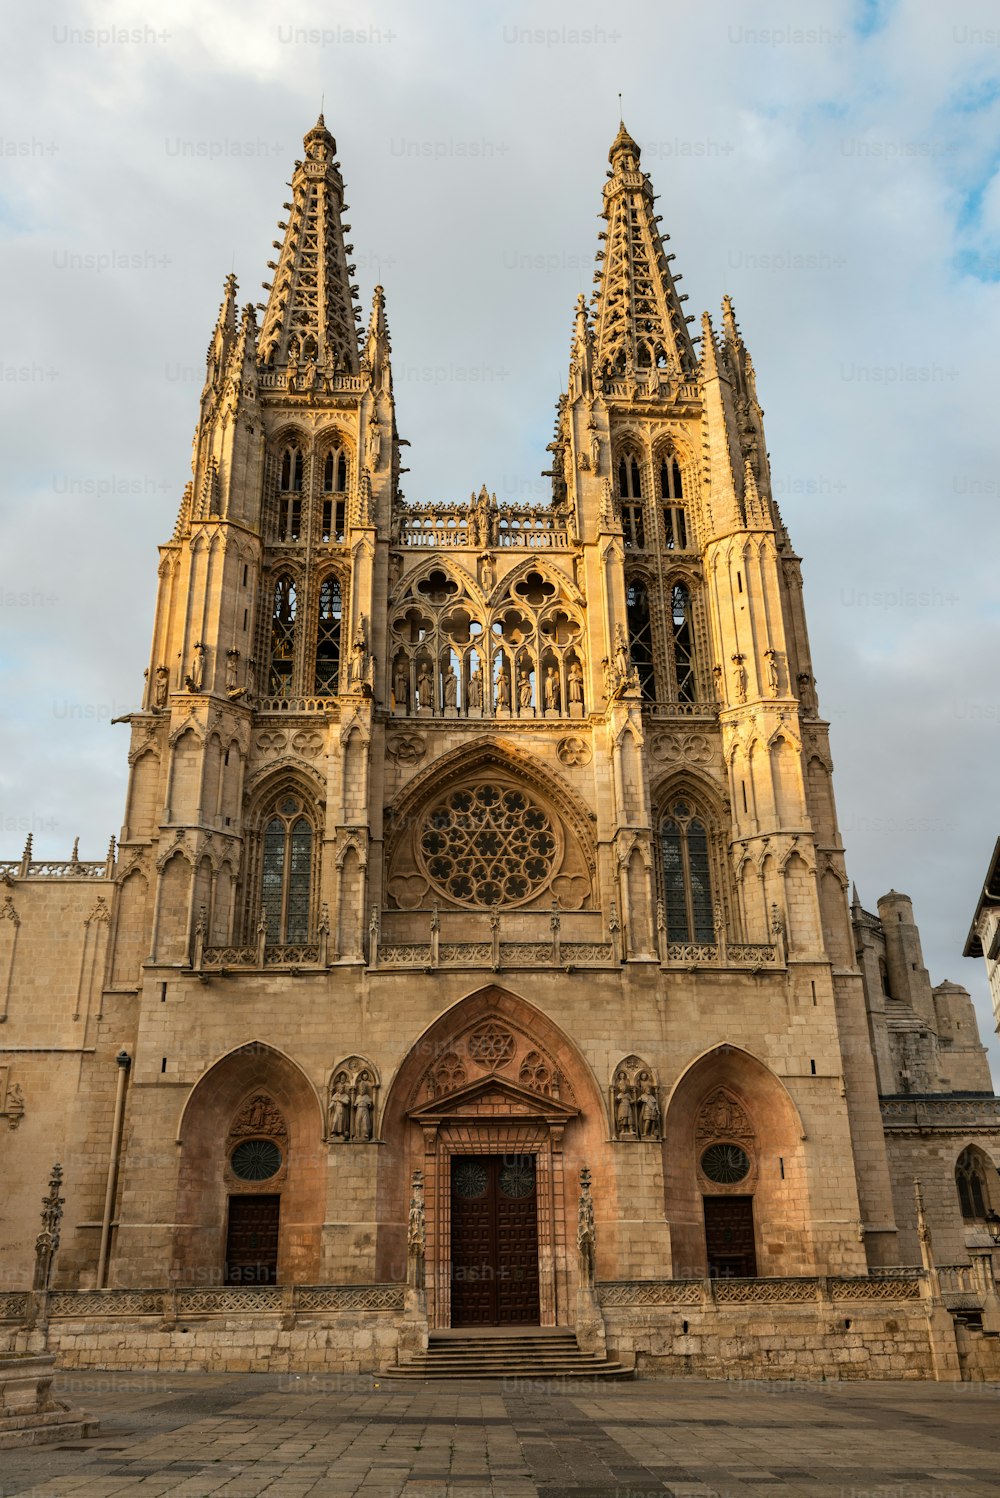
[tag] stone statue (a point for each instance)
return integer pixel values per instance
(503, 688)
(772, 672)
(552, 694)
(373, 444)
(595, 449)
(476, 687)
(425, 685)
(359, 654)
(489, 573)
(450, 686)
(232, 667)
(623, 1111)
(524, 689)
(649, 1113)
(197, 677)
(363, 1112)
(576, 683)
(622, 667)
(401, 683)
(340, 1108)
(586, 1238)
(162, 686)
(739, 679)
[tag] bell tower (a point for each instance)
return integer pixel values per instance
(266, 618)
(724, 830)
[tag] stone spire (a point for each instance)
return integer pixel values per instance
(223, 337)
(638, 317)
(312, 311)
(378, 345)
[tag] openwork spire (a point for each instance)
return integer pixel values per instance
(312, 312)
(638, 318)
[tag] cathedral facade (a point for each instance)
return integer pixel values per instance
(479, 921)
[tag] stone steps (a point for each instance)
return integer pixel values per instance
(525, 1355)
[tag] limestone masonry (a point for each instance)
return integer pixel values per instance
(477, 948)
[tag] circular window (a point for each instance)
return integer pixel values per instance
(517, 1178)
(468, 1179)
(255, 1160)
(725, 1164)
(488, 845)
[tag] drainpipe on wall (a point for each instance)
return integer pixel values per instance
(104, 1252)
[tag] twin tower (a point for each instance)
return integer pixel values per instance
(473, 831)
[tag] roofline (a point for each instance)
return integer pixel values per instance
(989, 899)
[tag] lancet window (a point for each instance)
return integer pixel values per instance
(675, 529)
(630, 499)
(687, 881)
(286, 871)
(682, 641)
(290, 495)
(333, 518)
(640, 630)
(283, 620)
(522, 659)
(328, 636)
(971, 1182)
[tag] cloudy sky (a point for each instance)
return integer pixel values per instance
(835, 167)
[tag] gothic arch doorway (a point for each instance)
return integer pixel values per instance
(734, 1172)
(498, 1109)
(251, 1177)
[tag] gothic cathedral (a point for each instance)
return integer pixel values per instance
(477, 947)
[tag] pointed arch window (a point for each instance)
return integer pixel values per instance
(675, 530)
(283, 638)
(331, 609)
(640, 634)
(290, 495)
(630, 497)
(972, 1184)
(286, 872)
(334, 518)
(687, 883)
(682, 639)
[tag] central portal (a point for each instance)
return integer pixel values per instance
(494, 1240)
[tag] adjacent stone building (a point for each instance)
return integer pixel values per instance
(472, 847)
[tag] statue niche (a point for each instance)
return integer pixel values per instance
(352, 1102)
(635, 1106)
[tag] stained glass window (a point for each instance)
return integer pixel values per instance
(286, 870)
(687, 883)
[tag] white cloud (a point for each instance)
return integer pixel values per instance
(854, 150)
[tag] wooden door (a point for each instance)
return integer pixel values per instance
(494, 1241)
(252, 1240)
(729, 1237)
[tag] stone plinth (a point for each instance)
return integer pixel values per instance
(29, 1413)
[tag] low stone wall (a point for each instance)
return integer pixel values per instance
(340, 1329)
(799, 1328)
(348, 1343)
(808, 1328)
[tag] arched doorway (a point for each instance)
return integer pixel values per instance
(250, 1193)
(496, 1107)
(735, 1181)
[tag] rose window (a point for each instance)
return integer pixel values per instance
(255, 1160)
(491, 1045)
(725, 1164)
(488, 845)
